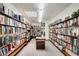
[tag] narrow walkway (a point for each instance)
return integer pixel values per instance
(30, 50)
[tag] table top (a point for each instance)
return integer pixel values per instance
(40, 37)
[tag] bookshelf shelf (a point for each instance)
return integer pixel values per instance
(65, 53)
(13, 32)
(16, 50)
(65, 20)
(65, 41)
(66, 34)
(11, 17)
(12, 26)
(3, 46)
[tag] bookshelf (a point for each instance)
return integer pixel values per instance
(65, 34)
(12, 33)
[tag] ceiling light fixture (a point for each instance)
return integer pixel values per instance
(41, 12)
(41, 6)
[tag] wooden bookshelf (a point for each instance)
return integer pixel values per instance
(12, 26)
(17, 49)
(65, 53)
(11, 17)
(13, 31)
(61, 29)
(65, 21)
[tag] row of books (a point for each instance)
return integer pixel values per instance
(8, 21)
(7, 43)
(73, 20)
(61, 44)
(67, 31)
(67, 27)
(11, 13)
(67, 42)
(9, 39)
(11, 30)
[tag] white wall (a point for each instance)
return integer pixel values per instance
(66, 12)
(46, 31)
(11, 7)
(15, 10)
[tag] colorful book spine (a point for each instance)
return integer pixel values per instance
(0, 29)
(6, 20)
(75, 49)
(9, 47)
(1, 19)
(1, 41)
(1, 53)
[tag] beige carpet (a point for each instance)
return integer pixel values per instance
(30, 50)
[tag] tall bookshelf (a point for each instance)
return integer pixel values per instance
(12, 33)
(65, 34)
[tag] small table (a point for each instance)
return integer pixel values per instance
(40, 43)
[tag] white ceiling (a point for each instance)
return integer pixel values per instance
(50, 11)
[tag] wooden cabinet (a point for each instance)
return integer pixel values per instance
(40, 43)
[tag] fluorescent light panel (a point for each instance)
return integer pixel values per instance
(41, 11)
(41, 6)
(40, 14)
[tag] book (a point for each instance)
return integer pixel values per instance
(6, 40)
(69, 46)
(13, 30)
(78, 20)
(9, 47)
(78, 50)
(75, 22)
(63, 44)
(75, 42)
(12, 22)
(1, 7)
(10, 13)
(0, 29)
(4, 50)
(18, 17)
(1, 54)
(14, 40)
(9, 30)
(74, 49)
(69, 40)
(10, 39)
(6, 30)
(0, 41)
(71, 22)
(6, 10)
(1, 19)
(6, 20)
(70, 31)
